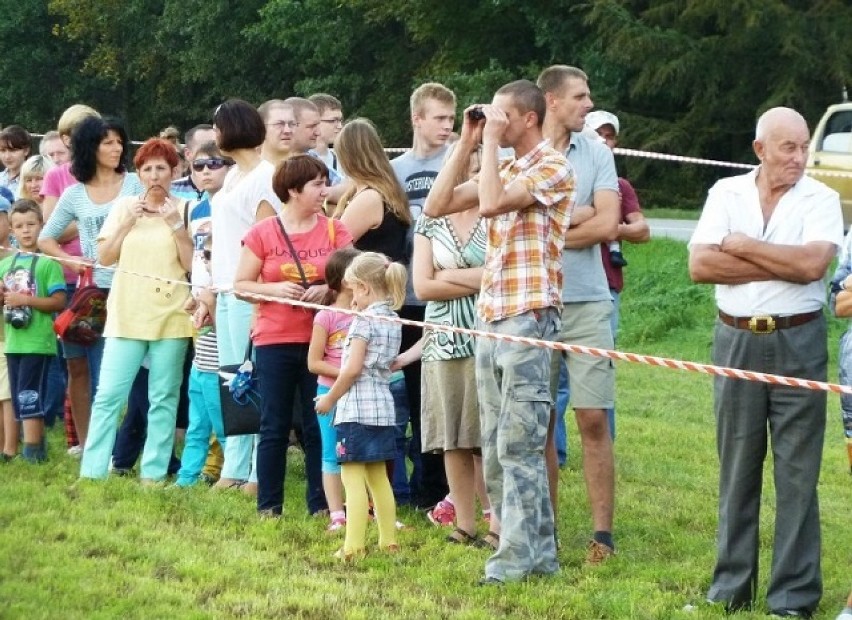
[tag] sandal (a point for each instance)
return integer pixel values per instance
(492, 540)
(459, 537)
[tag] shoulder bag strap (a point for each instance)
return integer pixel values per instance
(292, 252)
(332, 232)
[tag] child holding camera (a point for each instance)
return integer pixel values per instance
(33, 288)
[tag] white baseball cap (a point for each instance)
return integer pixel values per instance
(599, 118)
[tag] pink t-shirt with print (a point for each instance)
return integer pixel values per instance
(336, 326)
(279, 323)
(56, 181)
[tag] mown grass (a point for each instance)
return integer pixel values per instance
(115, 549)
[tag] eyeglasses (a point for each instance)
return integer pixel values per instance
(214, 163)
(332, 121)
(312, 126)
(280, 125)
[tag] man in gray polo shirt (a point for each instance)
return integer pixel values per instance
(585, 294)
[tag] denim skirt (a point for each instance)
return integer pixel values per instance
(361, 443)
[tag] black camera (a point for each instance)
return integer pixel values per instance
(19, 318)
(476, 114)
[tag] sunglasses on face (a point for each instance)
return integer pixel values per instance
(214, 163)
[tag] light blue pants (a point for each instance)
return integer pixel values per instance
(121, 361)
(233, 324)
(328, 435)
(205, 416)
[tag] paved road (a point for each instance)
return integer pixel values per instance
(673, 229)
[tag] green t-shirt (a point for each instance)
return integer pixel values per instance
(38, 336)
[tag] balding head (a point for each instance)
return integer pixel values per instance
(775, 118)
(781, 144)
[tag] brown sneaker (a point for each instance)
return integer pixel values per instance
(598, 552)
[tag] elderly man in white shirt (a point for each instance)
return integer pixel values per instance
(765, 239)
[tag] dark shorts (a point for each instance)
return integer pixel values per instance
(360, 443)
(28, 383)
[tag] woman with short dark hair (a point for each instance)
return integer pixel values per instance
(146, 236)
(14, 150)
(285, 257)
(246, 198)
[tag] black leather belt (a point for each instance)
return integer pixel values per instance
(766, 324)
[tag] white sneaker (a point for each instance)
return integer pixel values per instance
(75, 451)
(846, 614)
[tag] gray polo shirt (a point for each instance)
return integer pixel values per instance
(583, 275)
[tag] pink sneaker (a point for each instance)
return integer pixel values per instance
(336, 525)
(443, 514)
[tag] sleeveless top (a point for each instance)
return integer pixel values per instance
(389, 238)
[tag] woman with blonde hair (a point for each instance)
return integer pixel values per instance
(32, 177)
(375, 210)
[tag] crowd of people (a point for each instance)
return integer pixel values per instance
(512, 226)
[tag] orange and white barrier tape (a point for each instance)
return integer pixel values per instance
(634, 358)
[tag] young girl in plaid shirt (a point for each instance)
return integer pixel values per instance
(365, 414)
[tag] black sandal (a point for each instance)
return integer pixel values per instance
(492, 539)
(460, 537)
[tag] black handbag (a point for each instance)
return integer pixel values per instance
(240, 397)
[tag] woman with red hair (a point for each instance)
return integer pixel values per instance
(146, 237)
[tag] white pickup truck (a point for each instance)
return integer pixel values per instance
(831, 151)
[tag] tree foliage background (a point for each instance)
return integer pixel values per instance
(685, 76)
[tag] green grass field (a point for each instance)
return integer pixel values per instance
(115, 549)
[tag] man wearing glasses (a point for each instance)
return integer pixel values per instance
(280, 120)
(331, 122)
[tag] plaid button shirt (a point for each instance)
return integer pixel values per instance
(369, 400)
(523, 269)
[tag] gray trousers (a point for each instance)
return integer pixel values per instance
(514, 396)
(747, 413)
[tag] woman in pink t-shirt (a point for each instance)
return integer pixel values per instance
(285, 257)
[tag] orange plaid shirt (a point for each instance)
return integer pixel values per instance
(523, 261)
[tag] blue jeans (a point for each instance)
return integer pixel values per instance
(401, 487)
(281, 369)
(845, 364)
(205, 416)
(54, 398)
(563, 394)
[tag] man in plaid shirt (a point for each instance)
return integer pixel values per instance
(526, 201)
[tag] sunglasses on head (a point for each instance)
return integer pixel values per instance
(214, 163)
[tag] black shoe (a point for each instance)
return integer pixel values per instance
(790, 613)
(122, 472)
(490, 581)
(617, 259)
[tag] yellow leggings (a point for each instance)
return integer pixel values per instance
(357, 478)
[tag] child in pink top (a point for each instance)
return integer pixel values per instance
(324, 358)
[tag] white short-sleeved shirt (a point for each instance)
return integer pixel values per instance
(234, 209)
(808, 212)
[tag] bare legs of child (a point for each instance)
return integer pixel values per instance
(357, 478)
(8, 430)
